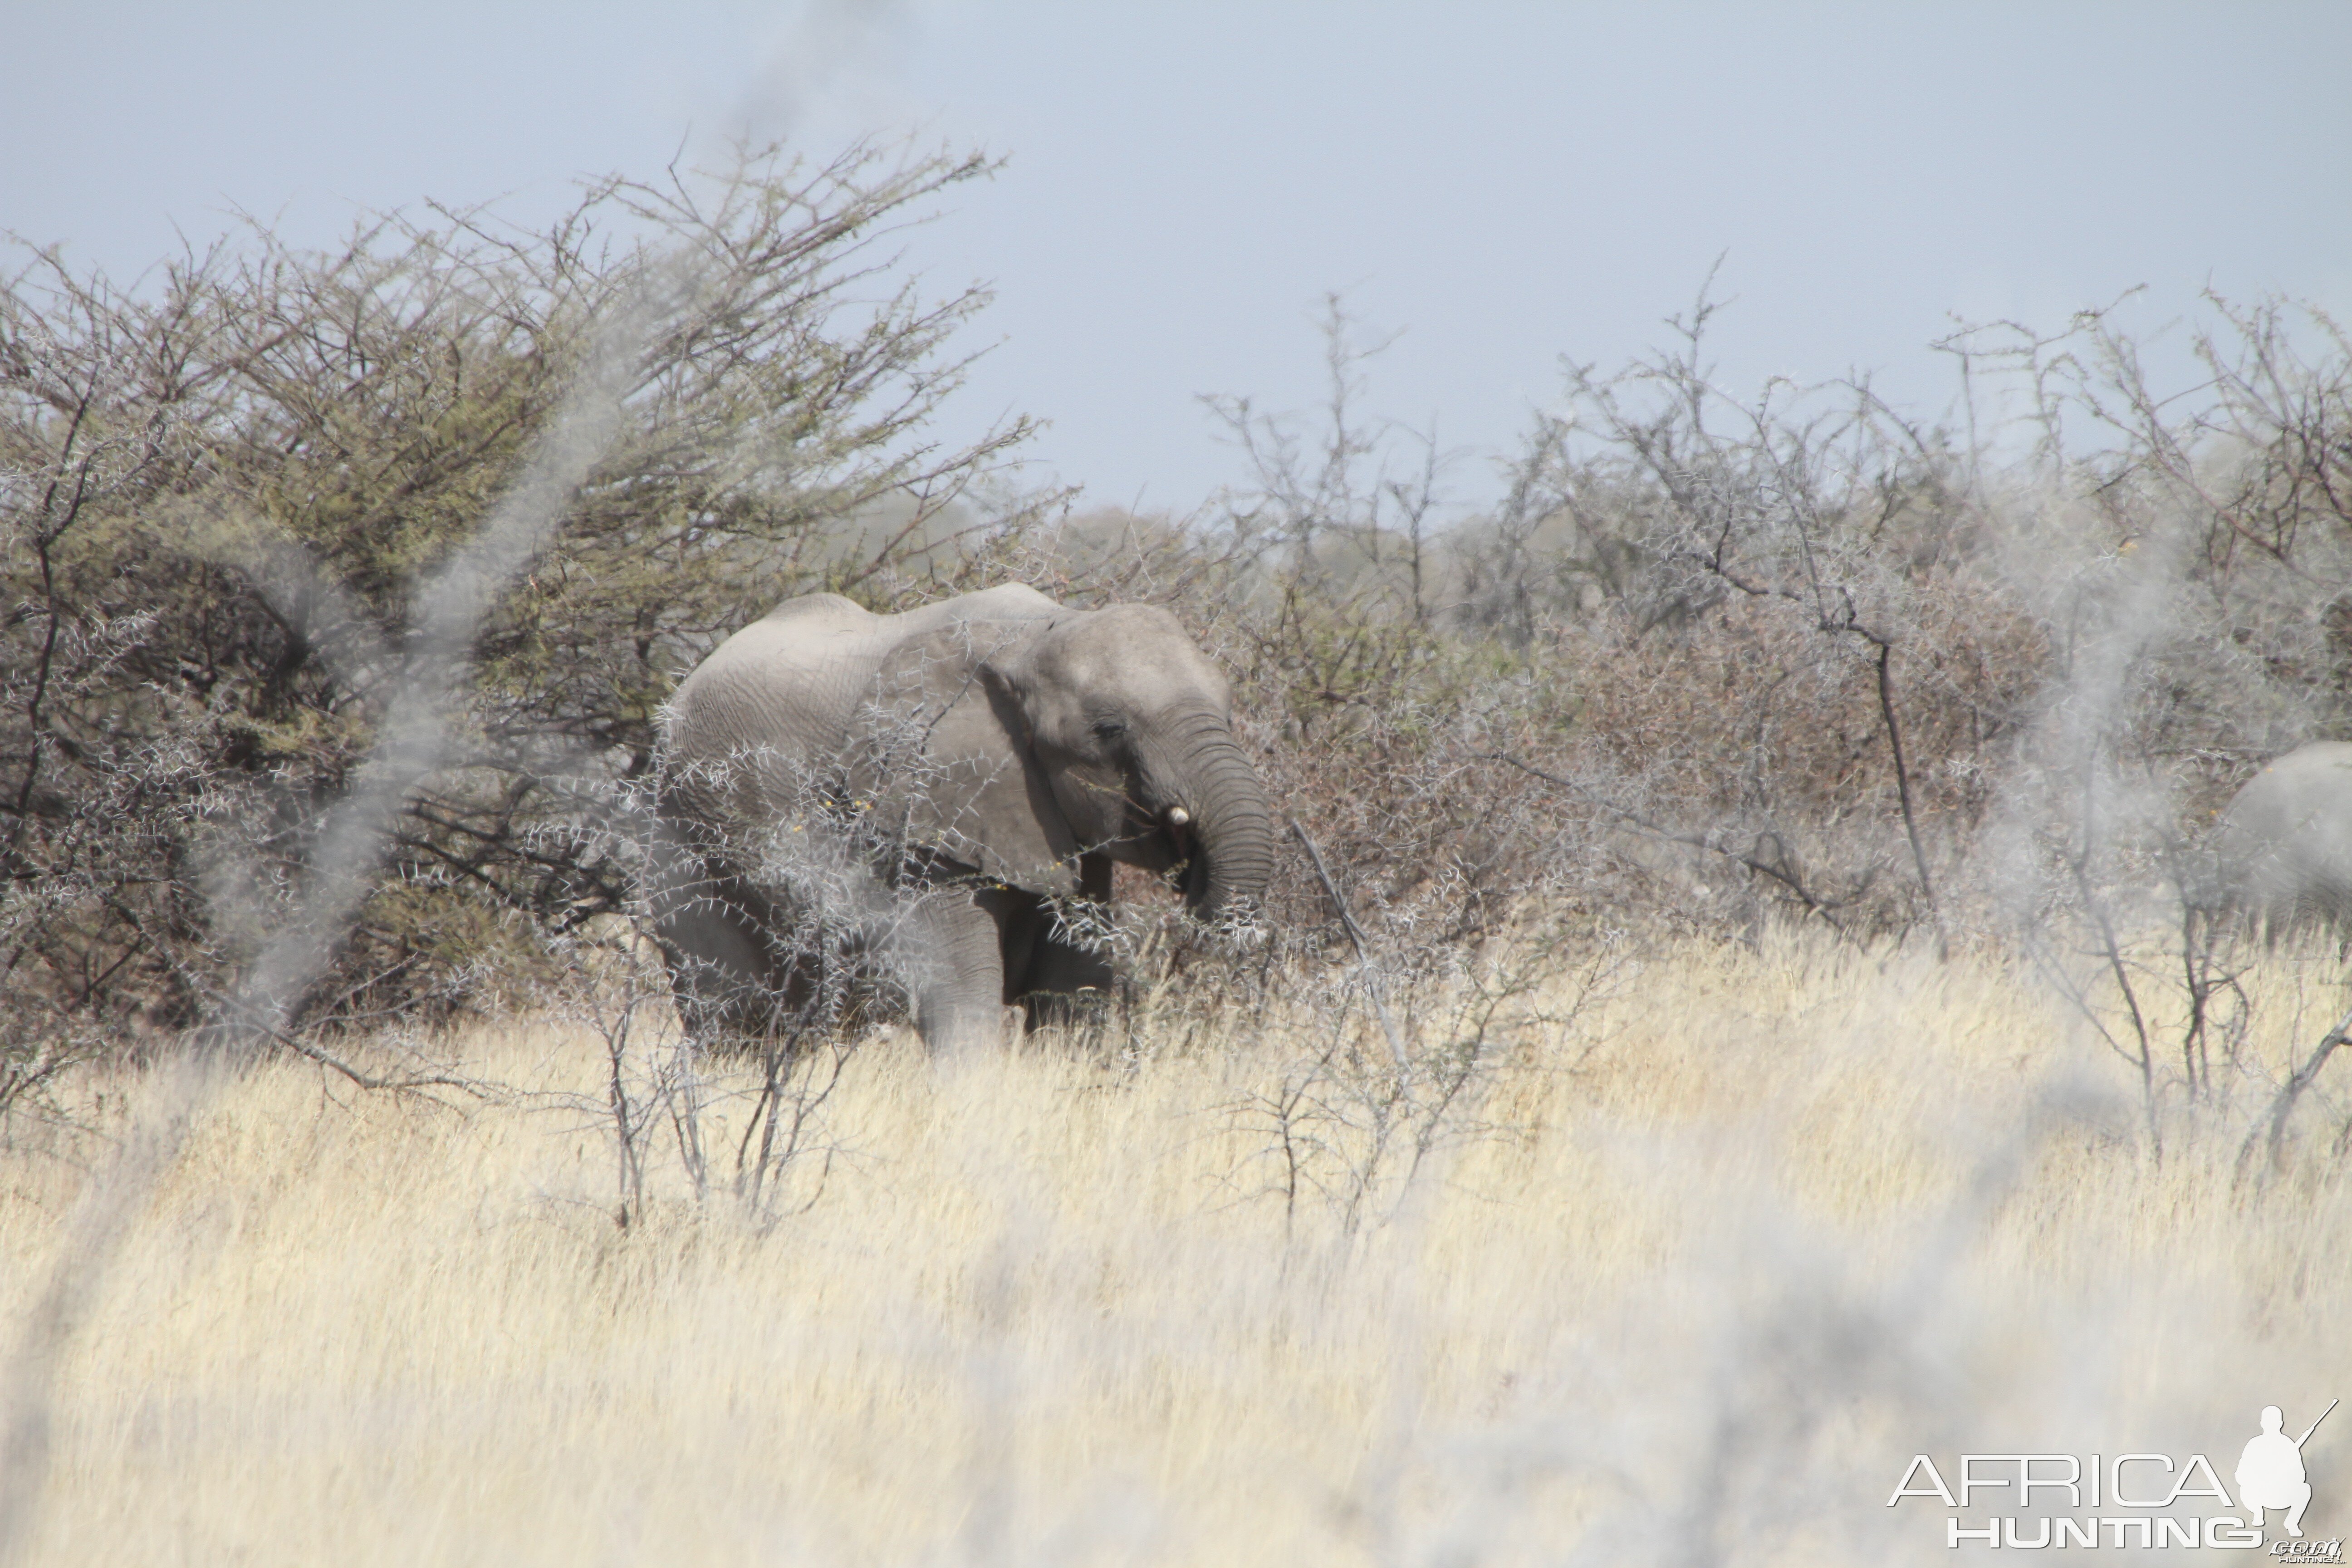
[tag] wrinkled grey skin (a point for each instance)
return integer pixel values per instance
(2285, 843)
(986, 753)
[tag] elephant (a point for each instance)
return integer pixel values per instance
(2283, 845)
(953, 782)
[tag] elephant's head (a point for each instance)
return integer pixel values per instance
(1103, 731)
(1133, 727)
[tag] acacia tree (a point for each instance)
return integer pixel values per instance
(220, 486)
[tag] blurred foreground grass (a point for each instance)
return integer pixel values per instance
(1728, 1248)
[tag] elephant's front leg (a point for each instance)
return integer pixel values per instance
(955, 972)
(1064, 979)
(1069, 974)
(1047, 974)
(1067, 984)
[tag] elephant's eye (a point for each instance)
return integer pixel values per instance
(1108, 730)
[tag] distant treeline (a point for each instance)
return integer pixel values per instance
(1702, 662)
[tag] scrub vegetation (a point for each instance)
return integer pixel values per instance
(1747, 996)
(227, 485)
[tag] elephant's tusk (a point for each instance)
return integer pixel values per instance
(1178, 816)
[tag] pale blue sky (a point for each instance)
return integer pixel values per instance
(1501, 184)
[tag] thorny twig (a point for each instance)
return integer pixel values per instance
(1365, 965)
(2283, 1105)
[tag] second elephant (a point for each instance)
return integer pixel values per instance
(2285, 843)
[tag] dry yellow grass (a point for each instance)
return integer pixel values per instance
(1748, 1235)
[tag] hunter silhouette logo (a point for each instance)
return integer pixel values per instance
(2270, 1472)
(2135, 1499)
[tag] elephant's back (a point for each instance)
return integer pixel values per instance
(820, 610)
(792, 679)
(820, 629)
(2292, 789)
(780, 681)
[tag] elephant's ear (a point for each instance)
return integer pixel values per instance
(946, 758)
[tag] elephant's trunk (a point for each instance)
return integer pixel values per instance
(1228, 844)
